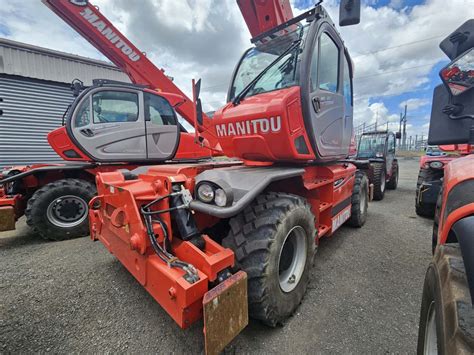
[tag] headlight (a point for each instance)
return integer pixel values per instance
(379, 155)
(436, 164)
(205, 193)
(218, 192)
(221, 198)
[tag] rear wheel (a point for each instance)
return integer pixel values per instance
(274, 243)
(59, 210)
(359, 200)
(425, 175)
(379, 181)
(447, 316)
(393, 182)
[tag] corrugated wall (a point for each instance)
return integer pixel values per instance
(30, 109)
(40, 63)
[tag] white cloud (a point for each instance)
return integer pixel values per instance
(413, 104)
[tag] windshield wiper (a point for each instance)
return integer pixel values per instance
(250, 85)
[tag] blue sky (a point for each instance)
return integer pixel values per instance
(394, 48)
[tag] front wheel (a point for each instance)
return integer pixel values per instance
(379, 181)
(59, 210)
(446, 317)
(359, 200)
(274, 243)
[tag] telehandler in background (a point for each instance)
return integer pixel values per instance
(379, 148)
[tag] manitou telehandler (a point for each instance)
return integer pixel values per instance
(379, 148)
(447, 312)
(55, 197)
(220, 239)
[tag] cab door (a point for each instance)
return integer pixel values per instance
(108, 125)
(328, 115)
(161, 127)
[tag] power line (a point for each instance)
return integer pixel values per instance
(398, 46)
(396, 71)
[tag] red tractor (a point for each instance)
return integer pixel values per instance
(226, 239)
(55, 198)
(447, 313)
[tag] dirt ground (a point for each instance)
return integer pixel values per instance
(364, 296)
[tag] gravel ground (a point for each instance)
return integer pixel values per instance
(364, 296)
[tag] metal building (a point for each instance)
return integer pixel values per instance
(35, 93)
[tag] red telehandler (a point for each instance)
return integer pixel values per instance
(55, 198)
(221, 240)
(447, 312)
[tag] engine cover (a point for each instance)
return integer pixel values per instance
(266, 127)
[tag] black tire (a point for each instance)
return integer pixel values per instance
(393, 182)
(446, 305)
(425, 209)
(257, 236)
(359, 204)
(379, 181)
(434, 237)
(41, 217)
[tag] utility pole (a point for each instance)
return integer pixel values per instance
(404, 133)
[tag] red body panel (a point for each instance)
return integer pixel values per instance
(455, 172)
(264, 128)
(61, 143)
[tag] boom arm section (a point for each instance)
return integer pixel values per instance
(262, 16)
(91, 24)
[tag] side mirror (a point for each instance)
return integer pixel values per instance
(349, 12)
(458, 76)
(459, 41)
(398, 135)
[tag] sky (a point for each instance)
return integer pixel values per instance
(394, 48)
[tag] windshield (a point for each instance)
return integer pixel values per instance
(371, 146)
(281, 75)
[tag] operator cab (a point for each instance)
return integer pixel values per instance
(291, 96)
(113, 123)
(376, 144)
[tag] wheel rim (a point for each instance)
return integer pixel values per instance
(382, 182)
(67, 211)
(292, 259)
(431, 338)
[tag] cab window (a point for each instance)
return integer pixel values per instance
(314, 68)
(83, 114)
(159, 111)
(115, 106)
(328, 72)
(347, 83)
(391, 143)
